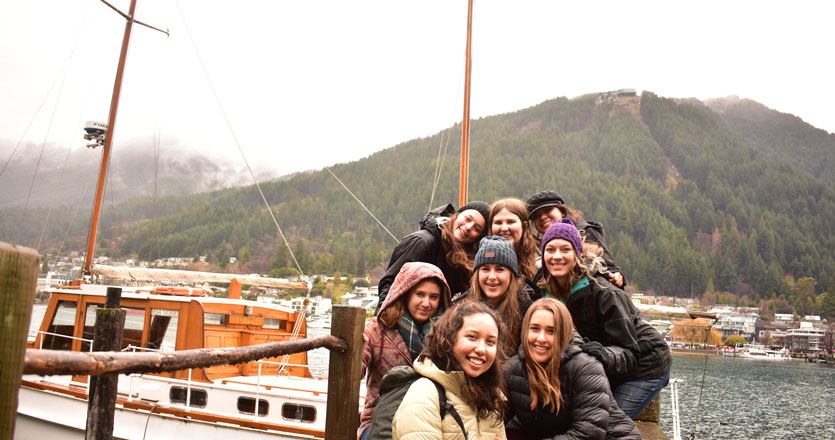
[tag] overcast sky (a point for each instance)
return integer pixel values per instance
(306, 84)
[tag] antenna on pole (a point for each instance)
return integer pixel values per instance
(93, 132)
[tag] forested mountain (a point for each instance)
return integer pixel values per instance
(779, 134)
(689, 203)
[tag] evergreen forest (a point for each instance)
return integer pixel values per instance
(729, 201)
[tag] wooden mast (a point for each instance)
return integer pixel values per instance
(108, 142)
(465, 126)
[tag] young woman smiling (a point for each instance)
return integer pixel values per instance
(554, 389)
(462, 353)
(496, 282)
(634, 355)
(446, 239)
(509, 219)
(546, 207)
(395, 337)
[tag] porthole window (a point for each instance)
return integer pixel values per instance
(198, 397)
(299, 413)
(247, 405)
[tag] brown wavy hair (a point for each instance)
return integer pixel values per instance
(458, 255)
(544, 380)
(484, 393)
(391, 315)
(508, 309)
(526, 247)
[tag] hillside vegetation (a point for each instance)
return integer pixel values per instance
(691, 201)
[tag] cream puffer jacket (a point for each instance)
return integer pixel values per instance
(418, 417)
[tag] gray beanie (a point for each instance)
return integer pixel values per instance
(498, 250)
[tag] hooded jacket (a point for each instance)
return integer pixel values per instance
(604, 313)
(385, 348)
(588, 410)
(418, 417)
(425, 245)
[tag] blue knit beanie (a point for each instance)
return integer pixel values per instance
(498, 250)
(563, 228)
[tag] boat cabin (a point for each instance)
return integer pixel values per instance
(168, 319)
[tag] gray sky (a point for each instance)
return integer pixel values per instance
(305, 84)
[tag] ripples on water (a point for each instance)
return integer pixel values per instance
(746, 399)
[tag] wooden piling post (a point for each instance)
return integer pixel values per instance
(107, 336)
(347, 323)
(18, 282)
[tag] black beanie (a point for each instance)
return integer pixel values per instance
(481, 207)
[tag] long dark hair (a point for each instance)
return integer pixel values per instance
(526, 246)
(458, 255)
(483, 393)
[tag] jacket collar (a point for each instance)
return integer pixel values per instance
(584, 282)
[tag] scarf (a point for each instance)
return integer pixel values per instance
(413, 333)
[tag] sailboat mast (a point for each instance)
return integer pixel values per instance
(108, 142)
(465, 126)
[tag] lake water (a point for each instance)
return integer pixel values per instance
(752, 399)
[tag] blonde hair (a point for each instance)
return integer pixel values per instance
(544, 379)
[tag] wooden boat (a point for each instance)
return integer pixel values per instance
(275, 397)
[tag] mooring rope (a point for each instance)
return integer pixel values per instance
(701, 388)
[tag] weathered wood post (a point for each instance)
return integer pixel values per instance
(107, 336)
(344, 374)
(18, 282)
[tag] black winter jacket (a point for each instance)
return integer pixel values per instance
(588, 410)
(424, 245)
(604, 313)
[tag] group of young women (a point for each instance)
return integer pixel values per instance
(530, 335)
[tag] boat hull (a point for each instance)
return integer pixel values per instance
(51, 415)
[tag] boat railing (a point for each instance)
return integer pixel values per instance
(61, 335)
(344, 344)
(675, 411)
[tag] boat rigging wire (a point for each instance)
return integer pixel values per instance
(701, 388)
(46, 96)
(43, 144)
(156, 170)
(235, 137)
(61, 178)
(362, 204)
(439, 164)
(72, 218)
